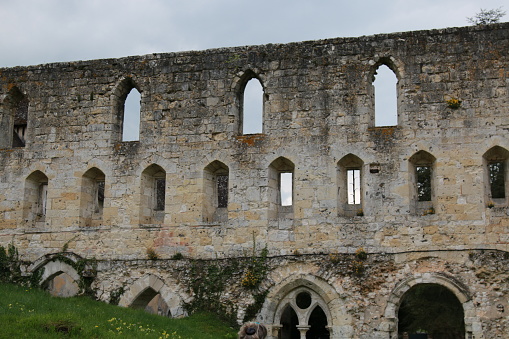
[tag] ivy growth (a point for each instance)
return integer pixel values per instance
(116, 294)
(208, 282)
(253, 309)
(256, 270)
(9, 264)
(86, 269)
(357, 265)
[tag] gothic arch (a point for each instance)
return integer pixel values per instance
(422, 183)
(123, 87)
(42, 261)
(472, 322)
(35, 200)
(14, 118)
(216, 177)
(349, 177)
(394, 64)
(92, 197)
(152, 194)
(242, 77)
(385, 99)
(495, 174)
(154, 284)
(119, 95)
(250, 113)
(281, 184)
(52, 268)
(323, 295)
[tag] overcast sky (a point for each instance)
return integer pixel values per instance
(42, 31)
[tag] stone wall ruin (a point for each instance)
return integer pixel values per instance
(432, 206)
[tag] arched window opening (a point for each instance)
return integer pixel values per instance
(423, 175)
(252, 107)
(62, 285)
(215, 190)
(92, 197)
(153, 194)
(350, 186)
(495, 177)
(281, 186)
(289, 323)
(20, 123)
(303, 314)
(431, 311)
(386, 97)
(14, 120)
(422, 183)
(318, 325)
(496, 172)
(131, 119)
(35, 197)
(152, 302)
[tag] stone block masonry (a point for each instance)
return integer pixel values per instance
(431, 206)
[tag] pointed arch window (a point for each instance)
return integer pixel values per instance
(153, 195)
(20, 123)
(35, 197)
(128, 110)
(92, 197)
(495, 175)
(386, 96)
(215, 191)
(350, 186)
(14, 120)
(303, 314)
(252, 106)
(422, 187)
(152, 302)
(281, 186)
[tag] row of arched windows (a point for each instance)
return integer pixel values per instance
(251, 103)
(280, 186)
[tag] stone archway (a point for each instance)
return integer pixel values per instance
(308, 303)
(303, 311)
(151, 291)
(431, 310)
(60, 279)
(473, 328)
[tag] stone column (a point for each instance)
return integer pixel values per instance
(303, 329)
(273, 331)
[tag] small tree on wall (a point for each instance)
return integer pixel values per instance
(486, 16)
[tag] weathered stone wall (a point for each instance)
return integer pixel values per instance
(363, 300)
(318, 108)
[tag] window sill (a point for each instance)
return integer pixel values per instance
(497, 211)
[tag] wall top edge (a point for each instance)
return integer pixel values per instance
(309, 43)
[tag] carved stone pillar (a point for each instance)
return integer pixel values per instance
(273, 331)
(303, 330)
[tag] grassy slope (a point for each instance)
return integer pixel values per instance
(31, 313)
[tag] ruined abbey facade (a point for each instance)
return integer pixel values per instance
(370, 212)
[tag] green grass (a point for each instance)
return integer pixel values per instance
(32, 313)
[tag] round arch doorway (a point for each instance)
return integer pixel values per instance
(430, 311)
